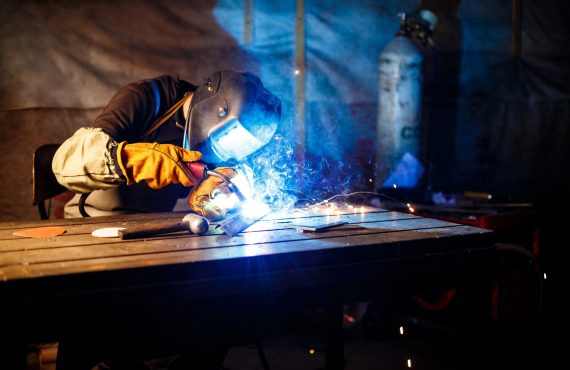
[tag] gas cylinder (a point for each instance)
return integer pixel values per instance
(399, 122)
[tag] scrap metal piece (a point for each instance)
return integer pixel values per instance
(238, 222)
(316, 228)
(40, 232)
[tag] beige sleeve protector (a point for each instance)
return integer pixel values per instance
(84, 163)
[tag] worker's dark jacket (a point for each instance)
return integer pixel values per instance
(84, 163)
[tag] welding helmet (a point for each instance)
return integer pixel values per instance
(231, 116)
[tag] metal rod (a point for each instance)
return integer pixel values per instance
(334, 350)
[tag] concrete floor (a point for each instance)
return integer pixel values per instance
(361, 353)
(420, 351)
(532, 344)
(421, 347)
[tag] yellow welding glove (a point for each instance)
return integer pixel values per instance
(157, 164)
(213, 198)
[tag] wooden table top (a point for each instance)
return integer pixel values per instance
(369, 235)
(79, 275)
(77, 251)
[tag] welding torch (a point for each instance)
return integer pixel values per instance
(229, 182)
(196, 171)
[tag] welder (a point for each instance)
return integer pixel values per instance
(149, 147)
(135, 156)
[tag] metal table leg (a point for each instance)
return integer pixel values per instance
(334, 351)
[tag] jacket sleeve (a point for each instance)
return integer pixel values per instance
(129, 113)
(84, 162)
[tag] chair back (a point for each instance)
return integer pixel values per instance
(44, 183)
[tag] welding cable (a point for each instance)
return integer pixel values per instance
(346, 196)
(298, 195)
(379, 195)
(81, 204)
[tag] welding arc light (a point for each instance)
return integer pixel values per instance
(243, 181)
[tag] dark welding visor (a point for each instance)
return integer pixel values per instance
(232, 115)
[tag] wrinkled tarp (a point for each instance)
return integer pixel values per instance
(77, 53)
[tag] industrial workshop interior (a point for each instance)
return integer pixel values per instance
(359, 185)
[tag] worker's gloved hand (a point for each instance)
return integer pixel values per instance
(213, 198)
(157, 164)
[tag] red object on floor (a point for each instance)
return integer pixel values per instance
(439, 303)
(514, 224)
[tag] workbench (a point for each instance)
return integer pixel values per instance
(78, 286)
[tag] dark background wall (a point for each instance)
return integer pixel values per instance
(499, 121)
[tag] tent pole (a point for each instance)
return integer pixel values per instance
(248, 22)
(300, 74)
